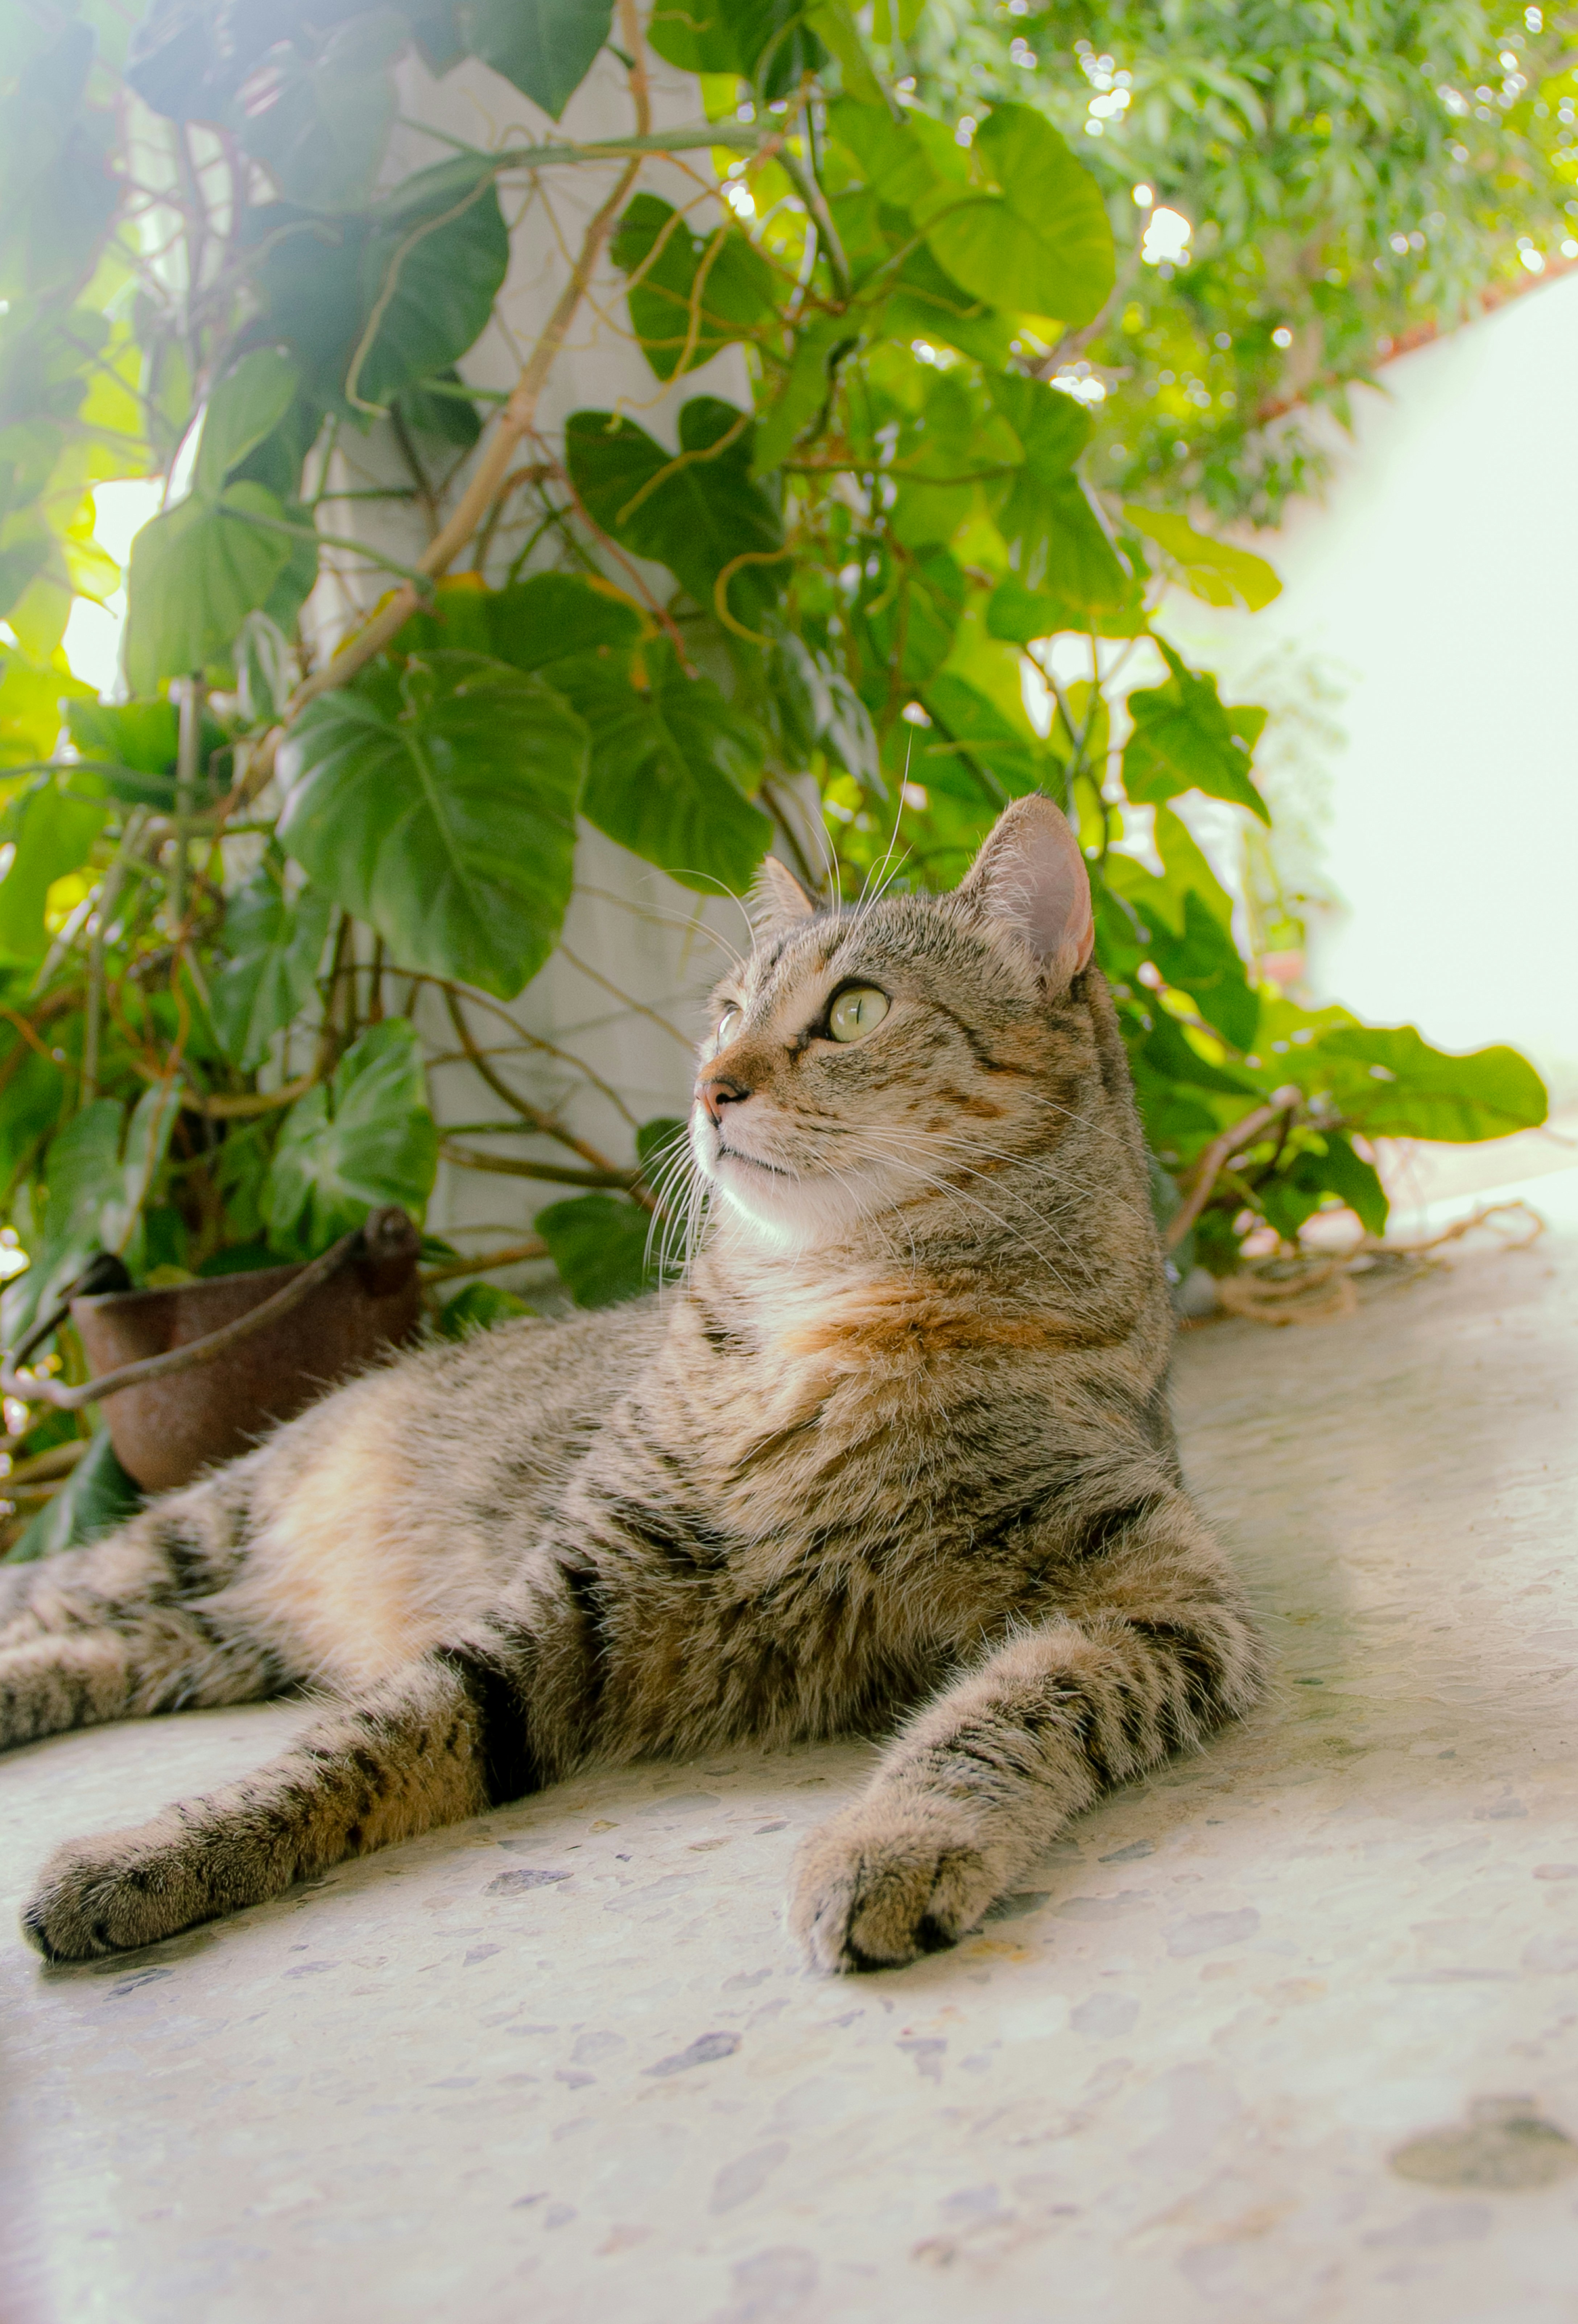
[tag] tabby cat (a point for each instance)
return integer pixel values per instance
(895, 1455)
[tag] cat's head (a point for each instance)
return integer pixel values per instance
(865, 1056)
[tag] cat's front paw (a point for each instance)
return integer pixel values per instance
(882, 1884)
(109, 1895)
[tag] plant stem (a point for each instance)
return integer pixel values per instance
(810, 193)
(251, 1104)
(329, 1041)
(518, 418)
(630, 26)
(1213, 1162)
(509, 1166)
(188, 750)
(542, 1123)
(522, 1038)
(514, 1254)
(639, 1007)
(408, 453)
(109, 893)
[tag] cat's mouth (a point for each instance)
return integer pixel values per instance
(737, 1153)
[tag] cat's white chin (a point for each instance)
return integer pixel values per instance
(781, 1209)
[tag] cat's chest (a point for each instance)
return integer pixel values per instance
(856, 1404)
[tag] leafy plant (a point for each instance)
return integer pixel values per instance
(247, 910)
(1298, 193)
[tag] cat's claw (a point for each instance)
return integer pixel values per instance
(877, 1888)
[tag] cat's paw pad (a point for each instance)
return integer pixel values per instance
(874, 1891)
(106, 1895)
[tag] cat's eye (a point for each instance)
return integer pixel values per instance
(728, 1025)
(856, 1011)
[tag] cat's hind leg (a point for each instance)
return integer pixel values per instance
(164, 1658)
(1155, 1647)
(186, 1545)
(120, 1628)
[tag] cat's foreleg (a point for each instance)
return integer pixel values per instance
(977, 1786)
(462, 1730)
(395, 1762)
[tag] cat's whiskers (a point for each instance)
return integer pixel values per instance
(876, 869)
(904, 1156)
(905, 1161)
(1032, 1165)
(674, 1224)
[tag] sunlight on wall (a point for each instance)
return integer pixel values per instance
(1435, 588)
(93, 632)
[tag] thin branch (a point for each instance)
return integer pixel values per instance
(639, 1007)
(543, 1123)
(514, 1254)
(810, 193)
(249, 1107)
(509, 1166)
(189, 749)
(529, 1040)
(630, 29)
(518, 420)
(1214, 1159)
(408, 453)
(109, 895)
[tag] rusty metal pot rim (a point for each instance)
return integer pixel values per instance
(277, 1276)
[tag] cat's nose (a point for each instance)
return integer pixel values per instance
(717, 1094)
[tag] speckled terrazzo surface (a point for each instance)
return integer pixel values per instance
(563, 2065)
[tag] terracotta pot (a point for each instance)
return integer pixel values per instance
(168, 1430)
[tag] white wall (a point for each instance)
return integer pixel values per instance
(1435, 586)
(655, 941)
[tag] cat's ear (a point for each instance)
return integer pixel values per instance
(776, 900)
(1030, 875)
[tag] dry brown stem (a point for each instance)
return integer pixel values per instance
(514, 1254)
(1210, 1165)
(511, 1165)
(543, 1123)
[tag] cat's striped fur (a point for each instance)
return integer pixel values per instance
(896, 1454)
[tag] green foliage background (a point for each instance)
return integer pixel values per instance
(964, 456)
(1357, 178)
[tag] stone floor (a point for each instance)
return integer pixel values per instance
(1289, 2034)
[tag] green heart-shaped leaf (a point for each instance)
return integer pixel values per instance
(274, 948)
(197, 572)
(1391, 1082)
(692, 293)
(1211, 570)
(695, 511)
(669, 769)
(446, 820)
(362, 1140)
(1185, 740)
(1041, 245)
(546, 48)
(322, 134)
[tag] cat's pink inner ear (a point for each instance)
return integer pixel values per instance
(1031, 874)
(778, 900)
